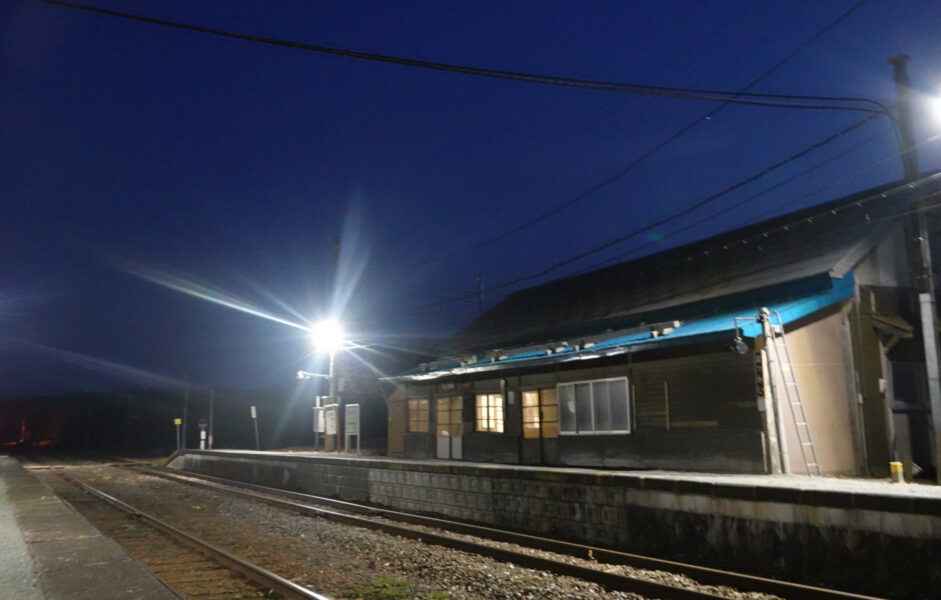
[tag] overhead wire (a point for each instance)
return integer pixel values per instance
(671, 217)
(743, 241)
(888, 158)
(792, 101)
(759, 238)
(635, 252)
(743, 96)
(651, 151)
(795, 101)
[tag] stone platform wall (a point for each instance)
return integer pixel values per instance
(835, 539)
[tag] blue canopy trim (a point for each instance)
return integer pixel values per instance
(688, 331)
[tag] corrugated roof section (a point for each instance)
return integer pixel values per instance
(806, 245)
(687, 331)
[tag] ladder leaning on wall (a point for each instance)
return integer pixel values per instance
(792, 395)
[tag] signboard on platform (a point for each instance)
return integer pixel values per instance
(352, 419)
(330, 416)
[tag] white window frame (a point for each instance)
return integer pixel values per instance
(591, 404)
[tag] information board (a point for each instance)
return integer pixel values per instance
(330, 414)
(352, 419)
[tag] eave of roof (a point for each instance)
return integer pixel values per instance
(615, 343)
(827, 239)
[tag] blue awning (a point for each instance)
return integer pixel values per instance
(688, 331)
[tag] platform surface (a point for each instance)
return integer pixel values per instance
(50, 552)
(851, 485)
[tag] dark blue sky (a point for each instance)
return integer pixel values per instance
(134, 153)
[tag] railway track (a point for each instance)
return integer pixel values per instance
(194, 568)
(498, 544)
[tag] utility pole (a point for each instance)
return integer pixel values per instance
(332, 376)
(186, 406)
(211, 398)
(480, 294)
(925, 279)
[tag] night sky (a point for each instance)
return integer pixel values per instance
(152, 178)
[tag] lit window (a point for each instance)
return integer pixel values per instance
(449, 416)
(530, 415)
(540, 414)
(418, 415)
(595, 407)
(490, 412)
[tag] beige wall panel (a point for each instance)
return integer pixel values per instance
(823, 374)
(396, 402)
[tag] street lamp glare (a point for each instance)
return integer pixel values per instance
(327, 335)
(934, 108)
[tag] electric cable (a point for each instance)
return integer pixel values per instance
(760, 238)
(636, 252)
(648, 153)
(795, 101)
(663, 220)
(857, 173)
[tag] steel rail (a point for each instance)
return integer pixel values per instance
(703, 575)
(287, 589)
(611, 581)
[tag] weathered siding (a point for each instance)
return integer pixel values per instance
(706, 391)
(714, 423)
(397, 423)
(823, 369)
(721, 451)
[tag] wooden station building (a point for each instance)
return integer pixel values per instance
(666, 362)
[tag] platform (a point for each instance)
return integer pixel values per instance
(50, 552)
(867, 536)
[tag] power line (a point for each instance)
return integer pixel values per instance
(635, 232)
(796, 101)
(638, 250)
(857, 173)
(760, 237)
(650, 152)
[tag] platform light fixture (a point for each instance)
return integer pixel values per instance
(327, 335)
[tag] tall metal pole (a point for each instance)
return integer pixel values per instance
(186, 406)
(334, 398)
(211, 398)
(926, 286)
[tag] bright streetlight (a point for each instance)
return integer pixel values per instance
(327, 335)
(934, 108)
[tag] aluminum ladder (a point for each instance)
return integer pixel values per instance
(793, 396)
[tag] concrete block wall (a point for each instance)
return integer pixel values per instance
(463, 497)
(823, 537)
